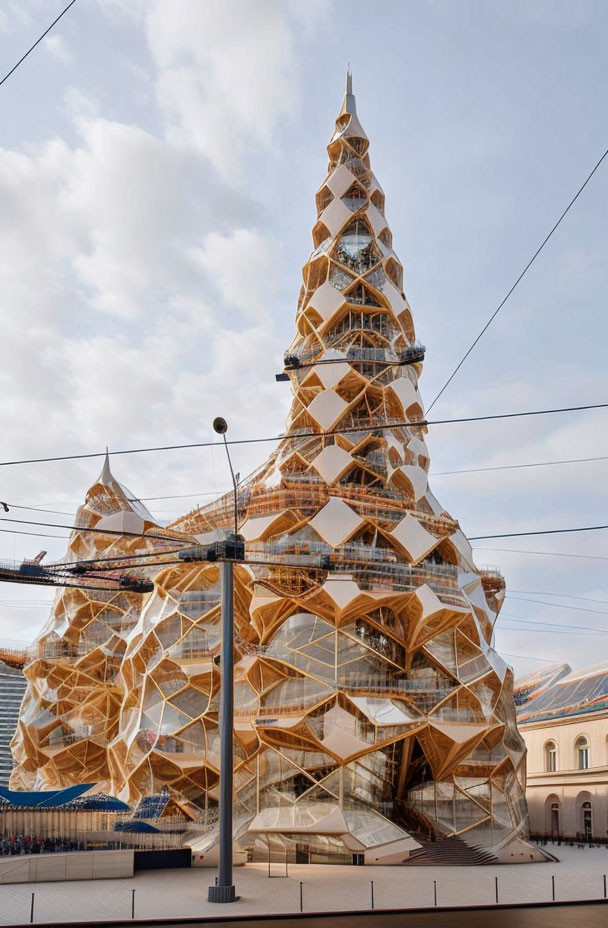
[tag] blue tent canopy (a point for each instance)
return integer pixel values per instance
(136, 827)
(45, 799)
(102, 803)
(52, 799)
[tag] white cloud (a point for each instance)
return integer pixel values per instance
(58, 47)
(135, 287)
(218, 90)
(242, 266)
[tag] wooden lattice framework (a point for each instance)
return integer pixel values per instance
(369, 701)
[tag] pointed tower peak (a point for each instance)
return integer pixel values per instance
(106, 477)
(121, 498)
(349, 104)
(347, 123)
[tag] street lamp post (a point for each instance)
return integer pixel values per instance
(223, 890)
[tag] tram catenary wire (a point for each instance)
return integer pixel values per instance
(219, 493)
(16, 531)
(189, 540)
(598, 633)
(37, 42)
(585, 557)
(529, 620)
(104, 531)
(549, 531)
(480, 470)
(379, 426)
(526, 657)
(545, 602)
(585, 599)
(518, 281)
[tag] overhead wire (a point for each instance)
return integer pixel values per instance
(585, 599)
(526, 657)
(16, 531)
(380, 426)
(55, 512)
(586, 557)
(552, 631)
(15, 604)
(544, 602)
(519, 279)
(47, 507)
(188, 540)
(528, 620)
(549, 531)
(103, 531)
(114, 558)
(45, 581)
(37, 42)
(480, 470)
(548, 631)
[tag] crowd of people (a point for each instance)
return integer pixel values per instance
(11, 844)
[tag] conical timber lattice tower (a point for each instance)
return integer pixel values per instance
(370, 706)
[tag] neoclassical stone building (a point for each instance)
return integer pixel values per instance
(564, 721)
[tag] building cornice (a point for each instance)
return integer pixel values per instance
(567, 720)
(593, 775)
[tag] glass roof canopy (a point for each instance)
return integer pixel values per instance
(579, 692)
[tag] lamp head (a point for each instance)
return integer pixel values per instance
(220, 425)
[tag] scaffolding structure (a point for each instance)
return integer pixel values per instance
(370, 704)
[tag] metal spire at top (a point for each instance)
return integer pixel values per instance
(349, 105)
(106, 474)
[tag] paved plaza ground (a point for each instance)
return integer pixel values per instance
(183, 893)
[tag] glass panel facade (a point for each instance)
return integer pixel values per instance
(369, 702)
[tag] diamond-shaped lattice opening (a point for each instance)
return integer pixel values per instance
(339, 278)
(376, 278)
(361, 296)
(462, 707)
(323, 198)
(319, 234)
(355, 165)
(355, 197)
(395, 273)
(356, 248)
(386, 238)
(316, 273)
(358, 144)
(376, 640)
(377, 199)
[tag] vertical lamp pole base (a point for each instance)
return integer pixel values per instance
(223, 890)
(221, 894)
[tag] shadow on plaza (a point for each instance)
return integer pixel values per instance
(557, 914)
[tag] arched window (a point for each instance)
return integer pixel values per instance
(555, 818)
(587, 821)
(550, 757)
(553, 815)
(582, 753)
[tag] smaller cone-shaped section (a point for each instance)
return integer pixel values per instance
(71, 707)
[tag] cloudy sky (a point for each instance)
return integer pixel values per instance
(158, 163)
